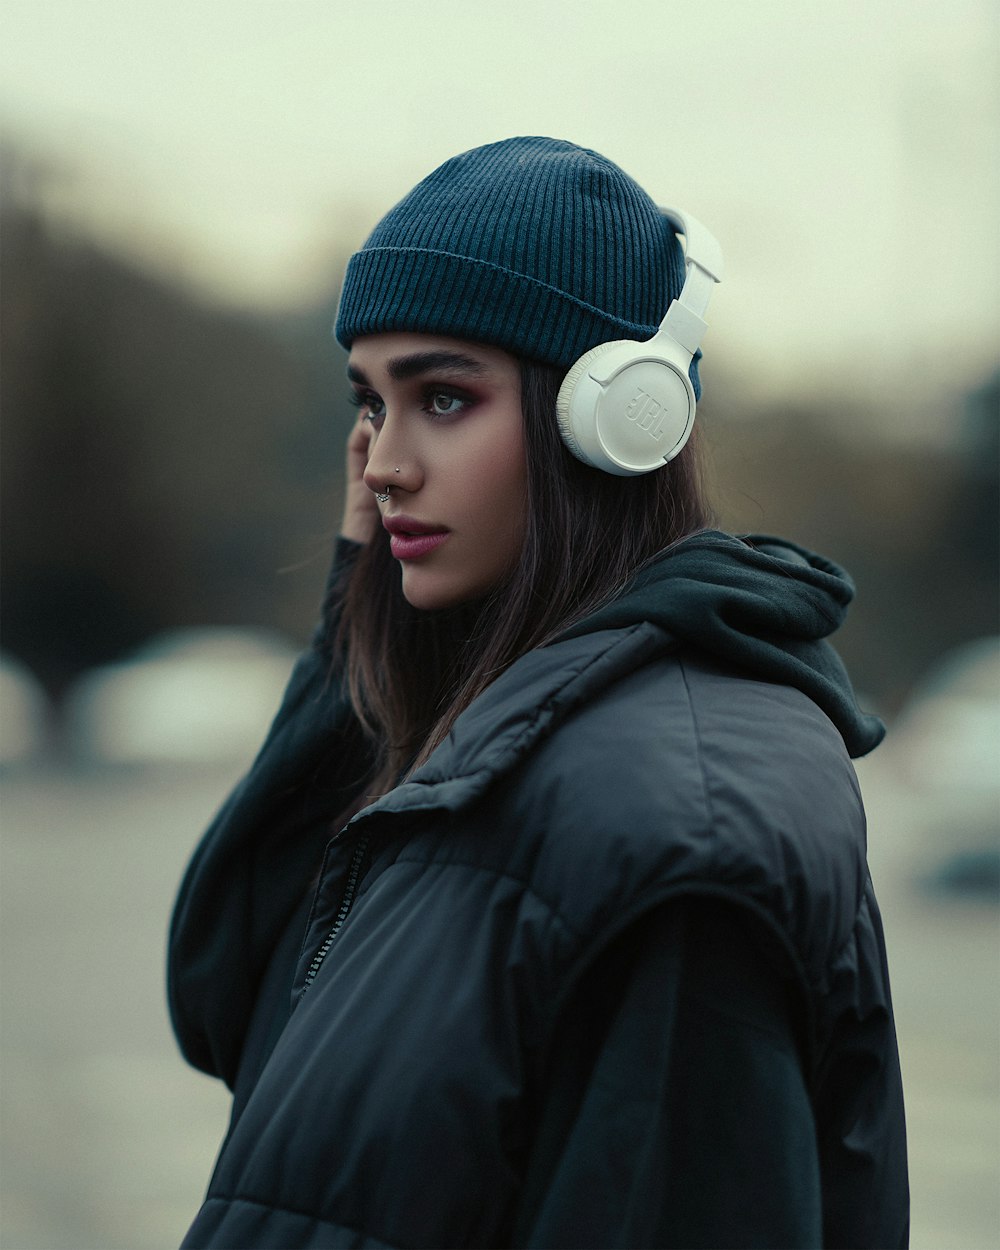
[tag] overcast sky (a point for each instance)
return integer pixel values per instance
(846, 155)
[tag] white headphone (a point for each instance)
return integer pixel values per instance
(628, 407)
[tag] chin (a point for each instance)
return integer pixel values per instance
(426, 597)
(432, 594)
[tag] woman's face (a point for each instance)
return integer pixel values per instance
(448, 441)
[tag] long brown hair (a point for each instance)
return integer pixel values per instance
(411, 673)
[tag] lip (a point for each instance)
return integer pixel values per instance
(410, 539)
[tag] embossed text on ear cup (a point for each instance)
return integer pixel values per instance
(626, 407)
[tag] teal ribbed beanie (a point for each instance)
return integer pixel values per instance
(534, 245)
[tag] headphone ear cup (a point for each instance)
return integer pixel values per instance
(565, 413)
(626, 408)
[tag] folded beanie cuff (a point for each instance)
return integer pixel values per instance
(432, 292)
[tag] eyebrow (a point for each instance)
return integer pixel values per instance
(402, 367)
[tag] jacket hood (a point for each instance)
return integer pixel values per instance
(760, 603)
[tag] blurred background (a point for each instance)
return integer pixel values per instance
(182, 185)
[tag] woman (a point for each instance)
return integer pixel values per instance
(543, 918)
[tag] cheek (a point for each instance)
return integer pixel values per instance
(505, 472)
(485, 467)
(501, 480)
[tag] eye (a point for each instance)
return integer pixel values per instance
(445, 403)
(375, 407)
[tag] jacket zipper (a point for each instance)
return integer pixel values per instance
(351, 889)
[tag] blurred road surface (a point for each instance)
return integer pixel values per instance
(108, 1138)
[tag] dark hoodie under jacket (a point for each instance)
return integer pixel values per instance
(606, 971)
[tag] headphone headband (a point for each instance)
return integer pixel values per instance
(684, 319)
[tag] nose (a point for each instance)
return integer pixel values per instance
(391, 460)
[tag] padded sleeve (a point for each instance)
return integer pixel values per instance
(675, 1110)
(252, 867)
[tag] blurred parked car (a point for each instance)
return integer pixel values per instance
(201, 696)
(24, 714)
(945, 748)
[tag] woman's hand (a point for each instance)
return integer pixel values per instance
(361, 515)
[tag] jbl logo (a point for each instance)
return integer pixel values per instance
(646, 413)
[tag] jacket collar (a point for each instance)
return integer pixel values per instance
(523, 706)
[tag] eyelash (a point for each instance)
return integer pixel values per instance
(366, 399)
(360, 399)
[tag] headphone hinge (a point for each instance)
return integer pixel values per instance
(684, 326)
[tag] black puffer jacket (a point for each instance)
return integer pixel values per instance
(607, 970)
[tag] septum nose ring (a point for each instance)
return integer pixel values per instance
(384, 498)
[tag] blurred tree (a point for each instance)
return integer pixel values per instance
(164, 462)
(914, 525)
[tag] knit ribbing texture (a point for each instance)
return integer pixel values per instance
(535, 245)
